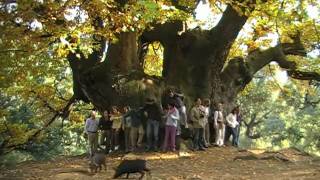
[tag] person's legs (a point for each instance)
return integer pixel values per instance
(196, 138)
(133, 137)
(141, 134)
(95, 142)
(220, 135)
(116, 138)
(212, 133)
(161, 135)
(228, 133)
(201, 141)
(155, 134)
(127, 138)
(223, 133)
(108, 139)
(207, 134)
(166, 138)
(172, 136)
(149, 134)
(217, 131)
(92, 138)
(178, 142)
(238, 134)
(102, 138)
(234, 137)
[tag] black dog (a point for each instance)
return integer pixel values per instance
(131, 166)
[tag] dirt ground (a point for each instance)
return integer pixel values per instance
(215, 163)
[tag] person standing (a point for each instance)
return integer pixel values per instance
(116, 118)
(171, 98)
(232, 125)
(196, 116)
(105, 125)
(126, 127)
(172, 116)
(219, 126)
(153, 113)
(182, 122)
(239, 119)
(136, 132)
(206, 106)
(91, 128)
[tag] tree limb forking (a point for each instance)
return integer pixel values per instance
(163, 32)
(257, 59)
(229, 26)
(63, 113)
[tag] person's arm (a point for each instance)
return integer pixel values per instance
(175, 114)
(235, 120)
(123, 122)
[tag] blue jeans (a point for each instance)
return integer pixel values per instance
(234, 133)
(198, 139)
(152, 134)
(238, 134)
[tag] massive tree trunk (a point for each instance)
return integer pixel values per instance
(194, 62)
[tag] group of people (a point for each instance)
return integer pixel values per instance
(163, 125)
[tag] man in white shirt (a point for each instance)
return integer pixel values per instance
(232, 125)
(219, 126)
(91, 129)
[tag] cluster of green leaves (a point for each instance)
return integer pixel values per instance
(288, 113)
(274, 22)
(21, 120)
(66, 25)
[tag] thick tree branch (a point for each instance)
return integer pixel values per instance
(229, 26)
(12, 50)
(163, 32)
(63, 113)
(45, 102)
(296, 74)
(241, 71)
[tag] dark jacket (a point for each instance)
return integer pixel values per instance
(153, 111)
(136, 118)
(175, 100)
(105, 124)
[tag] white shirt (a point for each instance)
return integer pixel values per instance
(206, 110)
(232, 120)
(173, 117)
(91, 125)
(218, 116)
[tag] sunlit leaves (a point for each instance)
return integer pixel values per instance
(292, 110)
(154, 61)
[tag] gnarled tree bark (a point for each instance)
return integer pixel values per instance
(194, 62)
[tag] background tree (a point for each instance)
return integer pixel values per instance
(280, 113)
